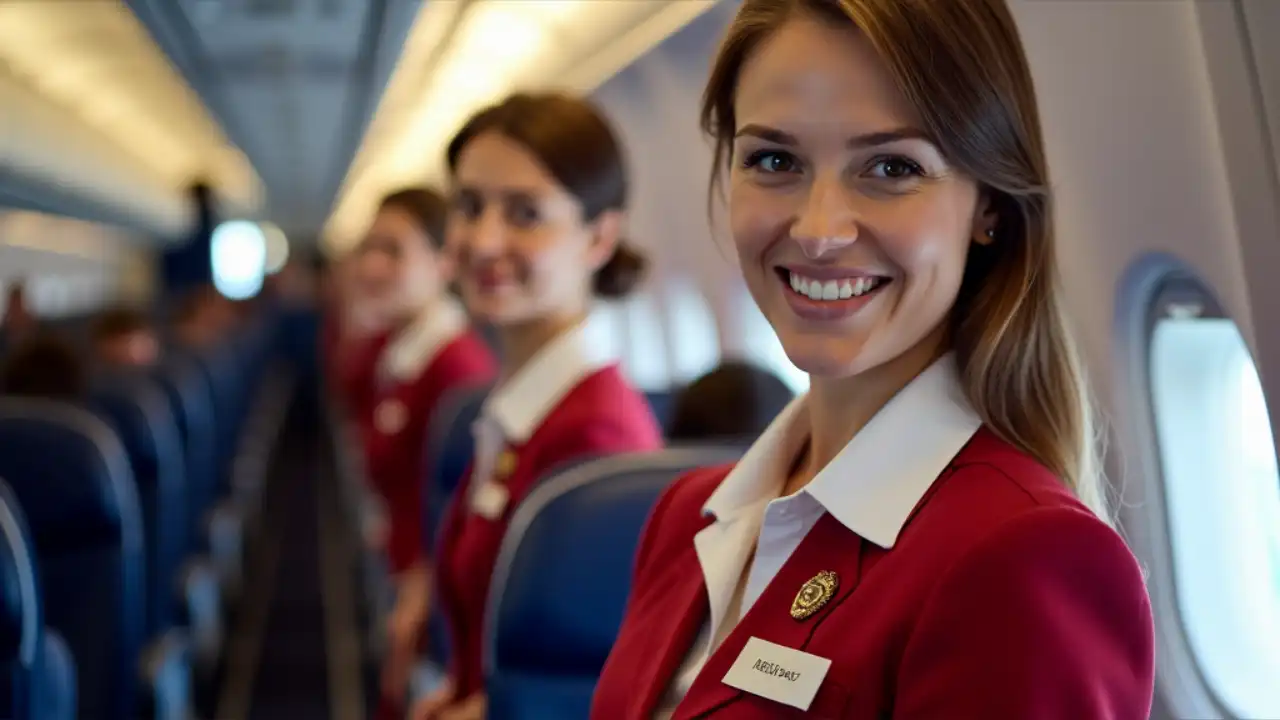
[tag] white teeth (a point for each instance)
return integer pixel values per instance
(832, 289)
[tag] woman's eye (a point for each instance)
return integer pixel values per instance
(895, 168)
(770, 161)
(522, 214)
(468, 204)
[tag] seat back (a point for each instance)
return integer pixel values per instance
(450, 448)
(660, 403)
(72, 479)
(190, 399)
(138, 412)
(562, 577)
(21, 621)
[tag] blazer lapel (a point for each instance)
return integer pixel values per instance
(829, 547)
(683, 610)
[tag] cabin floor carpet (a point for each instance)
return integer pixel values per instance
(292, 679)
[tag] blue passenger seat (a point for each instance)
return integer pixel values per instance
(562, 577)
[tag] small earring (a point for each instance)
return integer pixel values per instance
(991, 233)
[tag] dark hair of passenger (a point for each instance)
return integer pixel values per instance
(119, 321)
(575, 143)
(192, 302)
(45, 366)
(735, 401)
(426, 206)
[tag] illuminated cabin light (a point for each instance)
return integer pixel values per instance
(238, 255)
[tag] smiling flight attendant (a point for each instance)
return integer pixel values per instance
(539, 194)
(403, 278)
(922, 535)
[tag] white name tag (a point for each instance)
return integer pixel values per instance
(489, 500)
(778, 673)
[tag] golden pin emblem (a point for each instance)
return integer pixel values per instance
(505, 465)
(814, 594)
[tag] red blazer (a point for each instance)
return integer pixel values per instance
(352, 367)
(1003, 598)
(394, 454)
(602, 415)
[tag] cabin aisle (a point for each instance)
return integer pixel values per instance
(292, 677)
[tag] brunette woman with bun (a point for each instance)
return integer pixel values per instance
(402, 277)
(924, 534)
(539, 194)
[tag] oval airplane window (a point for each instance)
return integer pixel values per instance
(238, 255)
(1222, 494)
(695, 342)
(646, 360)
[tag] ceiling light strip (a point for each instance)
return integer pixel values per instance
(500, 45)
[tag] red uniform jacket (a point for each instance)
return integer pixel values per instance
(1003, 598)
(601, 415)
(352, 367)
(395, 434)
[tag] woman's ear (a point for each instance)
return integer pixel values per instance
(606, 233)
(985, 219)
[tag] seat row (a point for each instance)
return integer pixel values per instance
(133, 510)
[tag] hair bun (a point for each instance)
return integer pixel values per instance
(621, 274)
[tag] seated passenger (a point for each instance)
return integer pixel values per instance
(203, 318)
(540, 192)
(402, 277)
(124, 337)
(18, 320)
(44, 366)
(735, 401)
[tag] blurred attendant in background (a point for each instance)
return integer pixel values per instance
(401, 277)
(539, 200)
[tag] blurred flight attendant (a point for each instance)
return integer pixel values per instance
(924, 534)
(354, 340)
(539, 193)
(403, 277)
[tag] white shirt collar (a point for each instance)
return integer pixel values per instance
(520, 403)
(415, 346)
(874, 483)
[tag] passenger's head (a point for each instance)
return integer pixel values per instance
(125, 337)
(539, 196)
(17, 316)
(203, 317)
(889, 200)
(399, 267)
(735, 401)
(44, 366)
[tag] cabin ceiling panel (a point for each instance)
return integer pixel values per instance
(293, 82)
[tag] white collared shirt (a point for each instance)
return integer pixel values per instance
(415, 346)
(871, 487)
(515, 409)
(409, 354)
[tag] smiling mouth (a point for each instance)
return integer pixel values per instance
(832, 291)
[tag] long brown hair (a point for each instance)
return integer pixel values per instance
(962, 66)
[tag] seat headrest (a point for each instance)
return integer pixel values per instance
(20, 611)
(449, 449)
(562, 577)
(69, 472)
(449, 444)
(140, 414)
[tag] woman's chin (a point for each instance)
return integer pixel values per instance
(826, 357)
